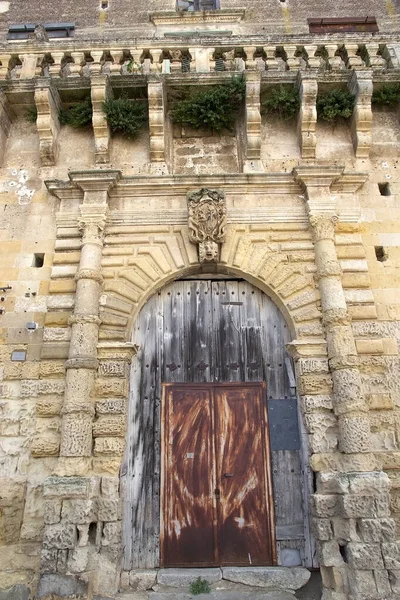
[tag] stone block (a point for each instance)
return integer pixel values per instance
(324, 505)
(49, 558)
(45, 444)
(78, 511)
(60, 536)
(375, 483)
(61, 585)
(112, 534)
(322, 529)
(364, 556)
(78, 559)
(352, 506)
(52, 511)
(19, 591)
(362, 584)
(110, 487)
(377, 530)
(391, 555)
(111, 406)
(332, 483)
(111, 426)
(109, 510)
(142, 580)
(284, 578)
(345, 530)
(67, 487)
(48, 406)
(329, 554)
(394, 579)
(109, 446)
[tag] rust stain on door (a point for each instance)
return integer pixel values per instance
(217, 500)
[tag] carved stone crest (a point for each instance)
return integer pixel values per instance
(207, 222)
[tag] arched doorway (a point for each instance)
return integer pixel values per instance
(210, 347)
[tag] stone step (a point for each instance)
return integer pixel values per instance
(249, 593)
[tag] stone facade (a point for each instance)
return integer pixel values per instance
(93, 225)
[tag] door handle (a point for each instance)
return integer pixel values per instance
(228, 474)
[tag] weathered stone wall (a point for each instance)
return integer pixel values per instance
(307, 223)
(264, 17)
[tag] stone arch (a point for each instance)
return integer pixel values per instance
(283, 277)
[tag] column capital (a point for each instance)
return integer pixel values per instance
(95, 181)
(323, 226)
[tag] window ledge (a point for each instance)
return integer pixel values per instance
(197, 17)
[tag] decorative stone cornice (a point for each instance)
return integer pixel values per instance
(95, 180)
(197, 17)
(317, 176)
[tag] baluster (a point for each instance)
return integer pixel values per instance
(156, 64)
(97, 64)
(353, 60)
(5, 60)
(251, 64)
(314, 62)
(376, 61)
(293, 62)
(136, 64)
(271, 62)
(75, 68)
(56, 68)
(116, 65)
(335, 62)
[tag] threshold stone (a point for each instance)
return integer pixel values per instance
(184, 577)
(285, 578)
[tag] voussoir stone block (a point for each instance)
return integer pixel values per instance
(268, 577)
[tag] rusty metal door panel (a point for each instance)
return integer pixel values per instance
(189, 506)
(244, 507)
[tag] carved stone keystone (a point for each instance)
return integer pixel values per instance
(207, 222)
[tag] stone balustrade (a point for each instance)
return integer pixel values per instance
(25, 63)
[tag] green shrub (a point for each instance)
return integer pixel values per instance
(282, 101)
(31, 114)
(215, 108)
(125, 116)
(387, 95)
(200, 586)
(78, 115)
(335, 105)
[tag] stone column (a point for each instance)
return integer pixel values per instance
(360, 85)
(253, 123)
(350, 507)
(348, 400)
(78, 408)
(48, 105)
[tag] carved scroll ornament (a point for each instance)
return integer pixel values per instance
(207, 222)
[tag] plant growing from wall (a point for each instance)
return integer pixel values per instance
(215, 108)
(334, 105)
(31, 114)
(387, 95)
(282, 101)
(78, 115)
(200, 586)
(125, 116)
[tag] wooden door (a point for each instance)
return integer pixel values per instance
(217, 507)
(202, 331)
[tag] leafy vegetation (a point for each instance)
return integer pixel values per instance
(387, 95)
(336, 104)
(31, 114)
(125, 116)
(282, 101)
(200, 586)
(214, 108)
(78, 115)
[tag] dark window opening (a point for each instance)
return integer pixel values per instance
(92, 533)
(343, 24)
(197, 5)
(384, 189)
(104, 4)
(38, 260)
(380, 253)
(26, 31)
